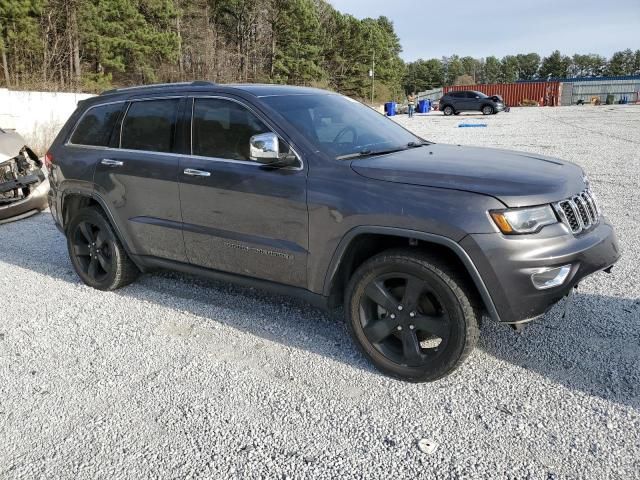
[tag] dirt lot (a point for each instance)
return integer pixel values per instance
(181, 377)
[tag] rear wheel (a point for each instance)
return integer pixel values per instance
(411, 315)
(97, 255)
(487, 110)
(448, 110)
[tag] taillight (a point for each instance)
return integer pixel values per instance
(48, 160)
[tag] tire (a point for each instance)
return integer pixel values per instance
(487, 110)
(448, 110)
(96, 253)
(425, 339)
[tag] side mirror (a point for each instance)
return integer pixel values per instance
(264, 148)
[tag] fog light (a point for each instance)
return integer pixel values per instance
(550, 277)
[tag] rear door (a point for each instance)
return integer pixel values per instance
(240, 216)
(455, 100)
(138, 177)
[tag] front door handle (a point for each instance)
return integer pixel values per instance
(111, 163)
(196, 173)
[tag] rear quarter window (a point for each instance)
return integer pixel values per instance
(96, 125)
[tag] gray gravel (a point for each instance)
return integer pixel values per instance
(176, 376)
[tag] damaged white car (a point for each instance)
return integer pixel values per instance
(23, 183)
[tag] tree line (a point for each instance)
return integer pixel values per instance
(92, 45)
(95, 44)
(454, 70)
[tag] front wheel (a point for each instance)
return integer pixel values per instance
(448, 110)
(487, 110)
(411, 315)
(97, 255)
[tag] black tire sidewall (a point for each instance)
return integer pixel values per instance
(448, 358)
(96, 218)
(487, 113)
(448, 109)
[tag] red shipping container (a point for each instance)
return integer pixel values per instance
(545, 93)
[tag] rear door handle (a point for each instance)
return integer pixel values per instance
(196, 173)
(111, 163)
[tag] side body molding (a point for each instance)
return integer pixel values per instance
(427, 237)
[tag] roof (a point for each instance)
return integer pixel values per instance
(274, 90)
(259, 90)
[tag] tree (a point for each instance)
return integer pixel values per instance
(423, 75)
(492, 70)
(464, 79)
(125, 37)
(621, 63)
(589, 65)
(453, 68)
(528, 65)
(471, 67)
(510, 68)
(555, 66)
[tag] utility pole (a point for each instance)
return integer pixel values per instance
(373, 74)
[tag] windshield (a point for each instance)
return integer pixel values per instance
(342, 127)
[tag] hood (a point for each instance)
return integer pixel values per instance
(10, 144)
(517, 179)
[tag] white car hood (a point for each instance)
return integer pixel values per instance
(11, 142)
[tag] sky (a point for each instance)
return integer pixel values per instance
(480, 28)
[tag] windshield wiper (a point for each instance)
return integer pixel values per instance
(369, 153)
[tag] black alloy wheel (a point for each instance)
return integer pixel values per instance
(404, 319)
(96, 253)
(92, 251)
(413, 315)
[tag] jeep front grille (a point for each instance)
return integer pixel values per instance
(579, 213)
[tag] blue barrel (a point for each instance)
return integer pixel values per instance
(390, 108)
(423, 106)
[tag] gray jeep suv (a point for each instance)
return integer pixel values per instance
(309, 193)
(470, 101)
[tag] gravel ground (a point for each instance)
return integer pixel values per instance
(176, 376)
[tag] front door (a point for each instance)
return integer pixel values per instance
(239, 216)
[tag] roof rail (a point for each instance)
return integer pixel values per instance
(195, 83)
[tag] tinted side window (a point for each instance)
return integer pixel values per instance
(150, 125)
(222, 129)
(96, 125)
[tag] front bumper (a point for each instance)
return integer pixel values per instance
(34, 203)
(506, 263)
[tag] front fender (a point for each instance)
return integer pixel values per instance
(411, 234)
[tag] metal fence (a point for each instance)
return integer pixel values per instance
(622, 90)
(433, 95)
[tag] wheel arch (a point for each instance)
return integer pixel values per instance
(362, 243)
(448, 105)
(486, 104)
(76, 199)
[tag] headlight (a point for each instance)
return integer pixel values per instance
(523, 220)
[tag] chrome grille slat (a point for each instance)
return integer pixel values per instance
(578, 213)
(582, 209)
(589, 206)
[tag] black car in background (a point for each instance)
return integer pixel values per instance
(470, 101)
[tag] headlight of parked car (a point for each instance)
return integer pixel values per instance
(523, 220)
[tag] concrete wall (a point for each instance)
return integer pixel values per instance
(38, 116)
